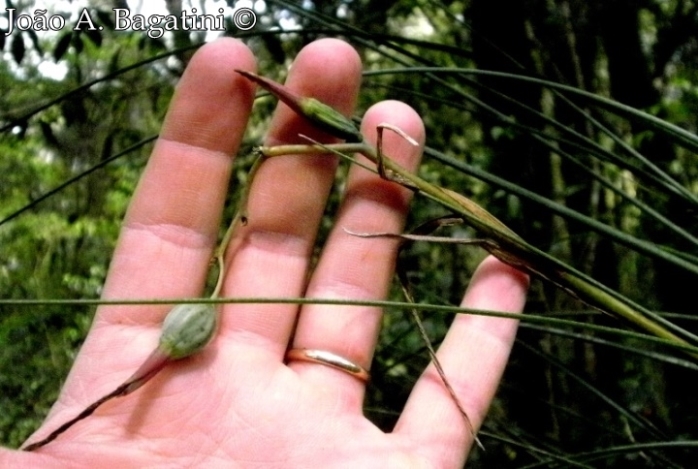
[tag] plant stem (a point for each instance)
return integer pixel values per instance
(506, 245)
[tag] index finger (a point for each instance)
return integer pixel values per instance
(171, 228)
(172, 223)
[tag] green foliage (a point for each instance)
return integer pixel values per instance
(602, 187)
(61, 248)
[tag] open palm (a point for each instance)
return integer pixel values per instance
(237, 404)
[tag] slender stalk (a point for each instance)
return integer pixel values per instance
(239, 219)
(506, 245)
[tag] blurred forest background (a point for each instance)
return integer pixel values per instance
(582, 175)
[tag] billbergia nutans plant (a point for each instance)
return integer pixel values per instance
(560, 138)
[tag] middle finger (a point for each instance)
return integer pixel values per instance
(269, 256)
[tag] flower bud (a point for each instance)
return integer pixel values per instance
(330, 120)
(187, 329)
(318, 113)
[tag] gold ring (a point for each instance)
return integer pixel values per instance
(324, 357)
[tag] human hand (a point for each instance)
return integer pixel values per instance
(238, 403)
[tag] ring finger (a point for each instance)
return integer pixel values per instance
(358, 268)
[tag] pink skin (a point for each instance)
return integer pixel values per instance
(237, 404)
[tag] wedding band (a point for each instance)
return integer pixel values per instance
(324, 357)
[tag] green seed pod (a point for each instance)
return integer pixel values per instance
(187, 329)
(330, 120)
